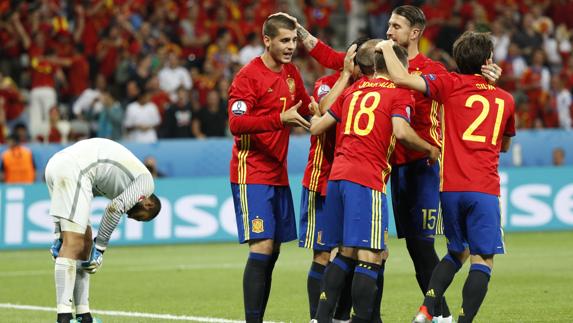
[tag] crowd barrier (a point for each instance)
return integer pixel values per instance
(200, 209)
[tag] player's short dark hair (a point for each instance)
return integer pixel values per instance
(471, 51)
(413, 14)
(365, 57)
(151, 213)
(273, 24)
(401, 53)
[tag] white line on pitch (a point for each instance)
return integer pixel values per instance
(129, 314)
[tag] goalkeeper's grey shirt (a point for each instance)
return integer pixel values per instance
(114, 173)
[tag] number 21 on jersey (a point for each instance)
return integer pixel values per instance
(469, 133)
(368, 103)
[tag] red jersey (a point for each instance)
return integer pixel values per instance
(321, 152)
(43, 72)
(365, 112)
(257, 97)
(425, 117)
(476, 115)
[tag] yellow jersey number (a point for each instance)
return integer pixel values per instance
(352, 122)
(469, 133)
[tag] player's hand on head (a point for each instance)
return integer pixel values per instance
(291, 117)
(349, 59)
(382, 44)
(491, 72)
(434, 156)
(95, 261)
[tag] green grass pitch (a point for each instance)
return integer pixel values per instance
(532, 283)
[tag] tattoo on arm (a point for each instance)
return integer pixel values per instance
(302, 33)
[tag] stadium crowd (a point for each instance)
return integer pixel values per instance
(141, 70)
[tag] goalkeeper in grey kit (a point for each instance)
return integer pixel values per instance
(74, 175)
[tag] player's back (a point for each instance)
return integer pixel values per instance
(109, 165)
(477, 116)
(365, 112)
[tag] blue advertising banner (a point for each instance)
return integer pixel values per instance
(201, 209)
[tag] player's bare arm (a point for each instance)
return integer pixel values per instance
(505, 144)
(328, 100)
(319, 124)
(409, 138)
(307, 39)
(398, 72)
(291, 117)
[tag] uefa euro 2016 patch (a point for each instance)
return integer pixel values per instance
(239, 108)
(322, 91)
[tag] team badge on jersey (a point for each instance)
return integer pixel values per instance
(322, 91)
(257, 225)
(239, 108)
(291, 85)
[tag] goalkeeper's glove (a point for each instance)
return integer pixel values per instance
(55, 248)
(95, 260)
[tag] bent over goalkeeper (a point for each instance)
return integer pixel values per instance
(99, 167)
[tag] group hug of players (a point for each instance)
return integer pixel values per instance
(389, 111)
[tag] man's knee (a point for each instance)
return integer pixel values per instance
(73, 246)
(265, 246)
(321, 257)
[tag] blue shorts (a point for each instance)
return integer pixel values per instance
(264, 212)
(359, 215)
(416, 199)
(472, 219)
(314, 221)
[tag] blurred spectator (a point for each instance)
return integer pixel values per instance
(58, 130)
(558, 156)
(17, 163)
(211, 120)
(141, 118)
(88, 105)
(560, 101)
(526, 37)
(110, 123)
(12, 101)
(20, 133)
(220, 54)
(252, 49)
(173, 76)
(513, 68)
(501, 40)
(151, 163)
(177, 120)
(378, 15)
(158, 96)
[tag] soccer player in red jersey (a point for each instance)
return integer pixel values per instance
(263, 102)
(415, 184)
(373, 113)
(314, 221)
(478, 123)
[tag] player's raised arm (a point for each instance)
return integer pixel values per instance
(397, 71)
(409, 138)
(328, 100)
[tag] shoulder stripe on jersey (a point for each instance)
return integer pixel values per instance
(435, 124)
(388, 169)
(317, 162)
(87, 169)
